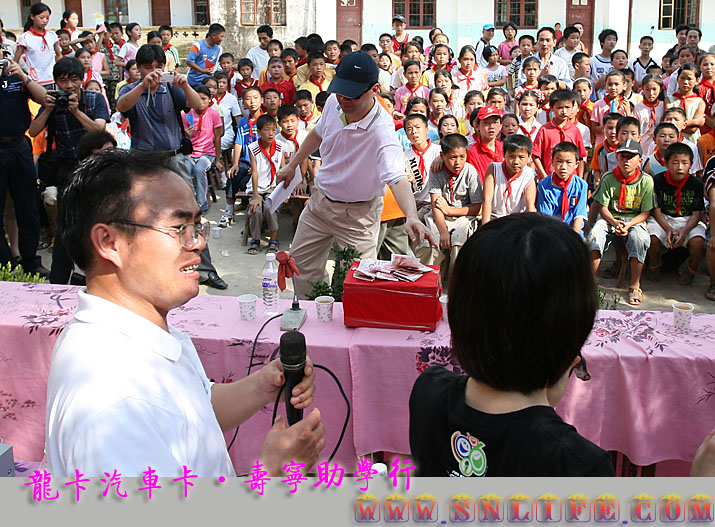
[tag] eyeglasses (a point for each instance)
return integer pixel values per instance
(188, 233)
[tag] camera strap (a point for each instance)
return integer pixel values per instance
(177, 112)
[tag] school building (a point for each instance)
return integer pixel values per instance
(364, 20)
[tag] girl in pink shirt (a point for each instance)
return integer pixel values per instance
(469, 76)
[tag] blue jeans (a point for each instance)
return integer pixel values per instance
(199, 166)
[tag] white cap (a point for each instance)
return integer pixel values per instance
(270, 257)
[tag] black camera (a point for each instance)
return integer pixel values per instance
(62, 99)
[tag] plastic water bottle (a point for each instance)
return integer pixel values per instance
(270, 285)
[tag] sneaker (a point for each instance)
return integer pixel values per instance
(226, 220)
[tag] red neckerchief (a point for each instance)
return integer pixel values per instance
(252, 82)
(219, 99)
(433, 121)
(661, 160)
(291, 77)
(421, 165)
(412, 92)
(468, 77)
(42, 35)
(109, 48)
(319, 84)
(653, 117)
(563, 185)
(167, 47)
(475, 136)
(201, 117)
(293, 140)
(562, 129)
(608, 147)
(509, 181)
(534, 87)
(87, 78)
(584, 111)
(485, 149)
(95, 52)
(620, 102)
(121, 43)
(685, 98)
(251, 124)
(624, 181)
(678, 188)
(269, 155)
(450, 180)
(307, 119)
(527, 133)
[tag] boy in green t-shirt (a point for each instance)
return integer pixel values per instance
(626, 197)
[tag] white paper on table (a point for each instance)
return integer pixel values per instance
(280, 193)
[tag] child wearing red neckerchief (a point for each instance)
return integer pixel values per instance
(612, 102)
(456, 195)
(277, 81)
(510, 186)
(266, 158)
(487, 148)
(688, 100)
(317, 82)
(626, 197)
(676, 220)
(419, 157)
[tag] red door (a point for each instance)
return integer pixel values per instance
(349, 24)
(582, 11)
(160, 12)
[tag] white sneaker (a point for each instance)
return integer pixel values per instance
(226, 220)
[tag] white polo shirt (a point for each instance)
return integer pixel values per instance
(124, 394)
(360, 158)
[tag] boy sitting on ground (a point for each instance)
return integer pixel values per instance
(676, 220)
(456, 195)
(626, 198)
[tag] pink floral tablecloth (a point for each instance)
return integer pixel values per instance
(652, 395)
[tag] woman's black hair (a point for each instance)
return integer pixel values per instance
(68, 13)
(416, 100)
(148, 53)
(35, 10)
(152, 34)
(202, 88)
(511, 25)
(130, 26)
(492, 286)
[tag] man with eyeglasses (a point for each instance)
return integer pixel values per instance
(126, 390)
(360, 155)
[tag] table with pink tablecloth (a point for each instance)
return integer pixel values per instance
(651, 396)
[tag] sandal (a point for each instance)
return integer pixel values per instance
(272, 246)
(687, 276)
(710, 293)
(635, 296)
(253, 246)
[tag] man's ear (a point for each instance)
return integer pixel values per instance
(106, 240)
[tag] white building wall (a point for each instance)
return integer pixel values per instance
(140, 12)
(326, 18)
(89, 8)
(12, 16)
(182, 13)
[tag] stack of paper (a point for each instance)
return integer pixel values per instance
(401, 268)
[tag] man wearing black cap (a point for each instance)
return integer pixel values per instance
(398, 40)
(360, 155)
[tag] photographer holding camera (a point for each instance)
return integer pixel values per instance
(68, 114)
(17, 170)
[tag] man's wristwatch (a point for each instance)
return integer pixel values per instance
(27, 81)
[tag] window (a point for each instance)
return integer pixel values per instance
(201, 13)
(25, 8)
(418, 13)
(259, 12)
(521, 12)
(676, 12)
(116, 11)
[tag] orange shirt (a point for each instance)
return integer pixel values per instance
(390, 209)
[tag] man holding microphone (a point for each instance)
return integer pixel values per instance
(360, 155)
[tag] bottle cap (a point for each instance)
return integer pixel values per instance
(381, 469)
(270, 257)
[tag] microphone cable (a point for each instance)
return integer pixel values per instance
(345, 398)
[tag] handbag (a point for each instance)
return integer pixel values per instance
(187, 146)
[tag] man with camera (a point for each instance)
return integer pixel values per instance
(153, 106)
(67, 113)
(17, 170)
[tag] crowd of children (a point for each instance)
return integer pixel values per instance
(618, 147)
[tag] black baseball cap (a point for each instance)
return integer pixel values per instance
(356, 73)
(399, 18)
(629, 146)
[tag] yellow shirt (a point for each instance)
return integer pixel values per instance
(313, 88)
(302, 74)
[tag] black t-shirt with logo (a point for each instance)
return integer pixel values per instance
(15, 113)
(692, 196)
(450, 438)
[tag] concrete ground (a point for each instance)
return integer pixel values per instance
(242, 271)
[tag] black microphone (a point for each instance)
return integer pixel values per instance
(292, 355)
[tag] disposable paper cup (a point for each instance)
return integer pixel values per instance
(682, 313)
(247, 305)
(324, 308)
(443, 301)
(217, 232)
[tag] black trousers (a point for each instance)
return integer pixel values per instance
(17, 176)
(62, 264)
